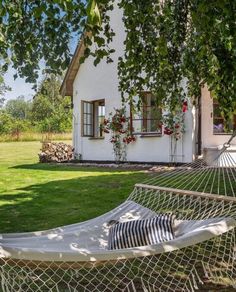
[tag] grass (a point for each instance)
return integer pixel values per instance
(37, 196)
(35, 136)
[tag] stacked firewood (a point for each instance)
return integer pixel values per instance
(56, 152)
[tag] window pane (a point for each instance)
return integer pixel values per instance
(220, 125)
(87, 118)
(151, 114)
(88, 129)
(84, 128)
(148, 120)
(93, 117)
(99, 116)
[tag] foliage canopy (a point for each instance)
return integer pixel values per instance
(170, 45)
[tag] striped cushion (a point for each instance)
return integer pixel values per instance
(141, 232)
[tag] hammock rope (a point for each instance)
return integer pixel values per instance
(218, 178)
(201, 194)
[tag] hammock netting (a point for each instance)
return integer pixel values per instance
(203, 253)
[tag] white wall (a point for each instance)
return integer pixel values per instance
(208, 138)
(101, 82)
(94, 83)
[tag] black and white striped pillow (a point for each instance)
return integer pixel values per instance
(141, 232)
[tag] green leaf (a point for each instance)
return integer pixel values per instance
(93, 13)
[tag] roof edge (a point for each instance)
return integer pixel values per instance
(66, 88)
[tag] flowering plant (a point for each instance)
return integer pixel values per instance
(174, 121)
(118, 125)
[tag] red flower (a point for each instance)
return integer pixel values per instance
(177, 126)
(167, 131)
(185, 106)
(105, 122)
(122, 131)
(129, 139)
(122, 119)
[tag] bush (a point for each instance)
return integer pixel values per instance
(19, 126)
(6, 123)
(58, 122)
(12, 126)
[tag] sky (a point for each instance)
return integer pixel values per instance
(18, 86)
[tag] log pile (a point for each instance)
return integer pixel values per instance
(56, 152)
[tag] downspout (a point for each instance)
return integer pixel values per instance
(77, 155)
(199, 133)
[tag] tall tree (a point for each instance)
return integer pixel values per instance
(49, 108)
(18, 108)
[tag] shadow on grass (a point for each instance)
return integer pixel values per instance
(61, 202)
(69, 167)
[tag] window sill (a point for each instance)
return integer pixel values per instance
(151, 135)
(222, 134)
(96, 138)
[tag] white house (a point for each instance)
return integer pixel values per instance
(95, 94)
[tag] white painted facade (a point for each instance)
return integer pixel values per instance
(208, 138)
(101, 82)
(212, 143)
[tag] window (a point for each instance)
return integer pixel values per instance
(93, 114)
(148, 120)
(220, 125)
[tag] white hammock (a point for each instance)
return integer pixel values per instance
(87, 241)
(76, 258)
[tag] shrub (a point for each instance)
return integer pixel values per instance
(6, 123)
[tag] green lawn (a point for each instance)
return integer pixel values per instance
(37, 196)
